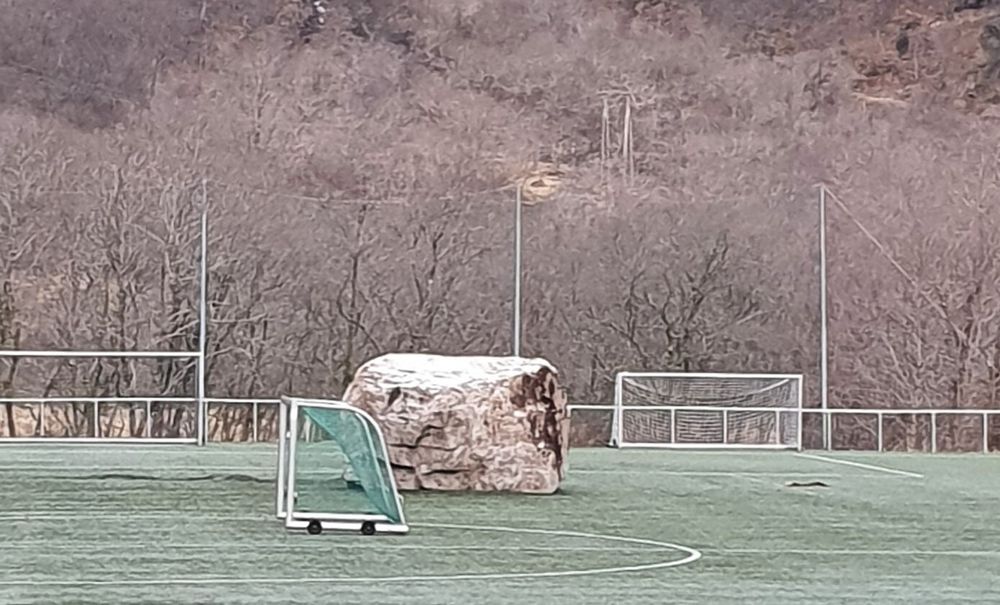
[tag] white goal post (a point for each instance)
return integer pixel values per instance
(707, 410)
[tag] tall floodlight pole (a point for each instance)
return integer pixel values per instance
(823, 350)
(517, 271)
(202, 412)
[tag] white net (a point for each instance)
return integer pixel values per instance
(691, 410)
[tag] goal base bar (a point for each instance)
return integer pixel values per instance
(346, 517)
(344, 525)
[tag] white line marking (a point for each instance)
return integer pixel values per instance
(872, 467)
(692, 556)
(571, 472)
(58, 450)
(76, 514)
(852, 552)
(47, 546)
(174, 472)
(153, 473)
(183, 473)
(146, 471)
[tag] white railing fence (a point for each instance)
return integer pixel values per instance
(187, 421)
(868, 429)
(136, 419)
(175, 420)
(909, 422)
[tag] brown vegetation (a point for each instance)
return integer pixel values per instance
(359, 181)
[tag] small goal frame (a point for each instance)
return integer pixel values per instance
(620, 408)
(315, 522)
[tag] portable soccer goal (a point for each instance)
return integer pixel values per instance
(702, 410)
(334, 471)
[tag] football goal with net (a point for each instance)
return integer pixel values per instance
(707, 410)
(334, 471)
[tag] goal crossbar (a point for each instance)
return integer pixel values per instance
(692, 375)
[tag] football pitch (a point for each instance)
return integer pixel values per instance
(130, 524)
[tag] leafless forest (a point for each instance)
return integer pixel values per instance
(359, 168)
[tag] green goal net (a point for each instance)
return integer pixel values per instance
(336, 470)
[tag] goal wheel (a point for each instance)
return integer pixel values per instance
(368, 528)
(314, 527)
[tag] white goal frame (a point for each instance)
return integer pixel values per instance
(288, 429)
(620, 409)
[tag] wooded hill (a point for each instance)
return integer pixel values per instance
(359, 162)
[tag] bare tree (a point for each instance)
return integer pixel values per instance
(26, 171)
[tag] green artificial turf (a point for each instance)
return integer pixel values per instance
(132, 524)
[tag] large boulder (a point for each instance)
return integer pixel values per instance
(467, 423)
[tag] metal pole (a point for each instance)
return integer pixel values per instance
(881, 442)
(725, 427)
(517, 272)
(933, 433)
(986, 433)
(673, 426)
(801, 418)
(283, 441)
(618, 417)
(256, 430)
(824, 356)
(293, 431)
(202, 413)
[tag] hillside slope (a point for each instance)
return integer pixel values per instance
(359, 164)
